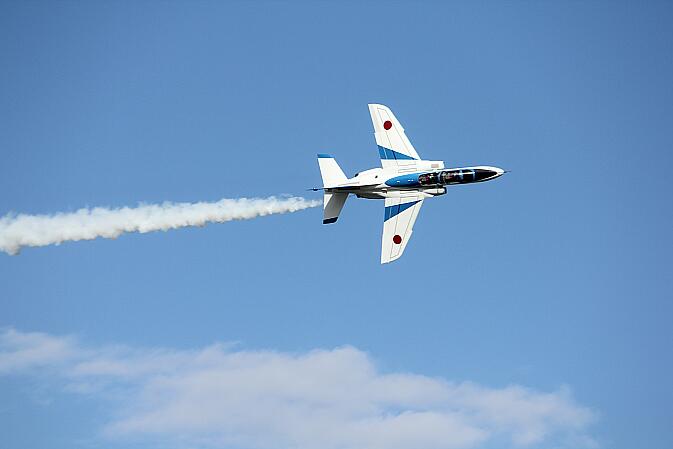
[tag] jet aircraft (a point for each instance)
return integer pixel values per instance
(404, 181)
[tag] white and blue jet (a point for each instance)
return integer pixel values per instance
(403, 181)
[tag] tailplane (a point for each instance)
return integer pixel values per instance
(332, 176)
(333, 203)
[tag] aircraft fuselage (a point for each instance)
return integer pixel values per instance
(404, 182)
(379, 183)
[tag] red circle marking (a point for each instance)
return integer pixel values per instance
(397, 239)
(387, 124)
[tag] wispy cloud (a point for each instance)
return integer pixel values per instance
(17, 231)
(219, 396)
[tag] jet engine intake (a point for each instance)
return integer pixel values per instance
(436, 191)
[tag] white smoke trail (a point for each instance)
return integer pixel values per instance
(18, 231)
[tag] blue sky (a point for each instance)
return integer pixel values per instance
(555, 278)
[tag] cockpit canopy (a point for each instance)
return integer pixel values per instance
(457, 176)
(428, 179)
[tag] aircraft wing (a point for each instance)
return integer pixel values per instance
(400, 215)
(395, 149)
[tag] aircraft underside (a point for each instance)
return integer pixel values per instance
(404, 181)
(396, 193)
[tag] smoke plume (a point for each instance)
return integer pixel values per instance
(18, 231)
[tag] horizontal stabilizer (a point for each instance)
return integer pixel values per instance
(333, 203)
(332, 175)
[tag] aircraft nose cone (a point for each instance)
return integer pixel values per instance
(488, 173)
(495, 172)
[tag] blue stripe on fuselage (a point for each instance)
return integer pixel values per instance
(410, 180)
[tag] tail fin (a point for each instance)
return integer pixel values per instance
(332, 206)
(331, 173)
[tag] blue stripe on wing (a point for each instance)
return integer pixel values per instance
(388, 154)
(391, 211)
